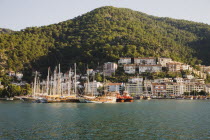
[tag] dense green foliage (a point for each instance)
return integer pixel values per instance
(14, 90)
(11, 90)
(102, 35)
(2, 30)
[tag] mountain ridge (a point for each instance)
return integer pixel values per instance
(105, 34)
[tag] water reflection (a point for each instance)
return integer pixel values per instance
(154, 119)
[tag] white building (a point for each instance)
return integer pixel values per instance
(135, 80)
(109, 68)
(92, 87)
(19, 76)
(150, 68)
(179, 80)
(174, 66)
(189, 87)
(123, 61)
(208, 72)
(11, 73)
(207, 88)
(130, 68)
(163, 80)
(134, 88)
(115, 87)
(90, 71)
(189, 76)
(185, 67)
(145, 61)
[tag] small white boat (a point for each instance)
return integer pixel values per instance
(10, 99)
(82, 100)
(89, 101)
(41, 100)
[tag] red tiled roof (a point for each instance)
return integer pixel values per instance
(114, 84)
(130, 65)
(149, 65)
(146, 58)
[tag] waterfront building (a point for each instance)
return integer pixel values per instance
(191, 86)
(109, 68)
(207, 88)
(163, 61)
(145, 61)
(92, 87)
(115, 87)
(123, 61)
(147, 86)
(158, 89)
(170, 88)
(130, 68)
(178, 89)
(134, 88)
(150, 68)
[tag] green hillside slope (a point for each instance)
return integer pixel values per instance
(105, 34)
(2, 30)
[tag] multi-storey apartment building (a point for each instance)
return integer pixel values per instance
(115, 87)
(174, 66)
(145, 61)
(150, 68)
(123, 61)
(109, 68)
(134, 88)
(158, 89)
(130, 68)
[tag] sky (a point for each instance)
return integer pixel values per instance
(19, 14)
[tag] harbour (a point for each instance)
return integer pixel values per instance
(143, 119)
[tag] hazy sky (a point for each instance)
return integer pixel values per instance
(19, 14)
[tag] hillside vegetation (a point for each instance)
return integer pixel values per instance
(2, 30)
(102, 35)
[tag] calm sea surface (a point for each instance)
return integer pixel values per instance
(154, 119)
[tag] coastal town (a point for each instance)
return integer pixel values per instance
(190, 82)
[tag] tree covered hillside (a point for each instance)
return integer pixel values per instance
(2, 30)
(102, 35)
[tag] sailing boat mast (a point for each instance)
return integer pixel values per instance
(48, 78)
(35, 83)
(93, 86)
(88, 82)
(75, 79)
(69, 83)
(54, 81)
(50, 86)
(104, 83)
(59, 80)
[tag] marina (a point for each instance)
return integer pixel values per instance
(142, 119)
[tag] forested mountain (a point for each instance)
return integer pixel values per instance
(105, 34)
